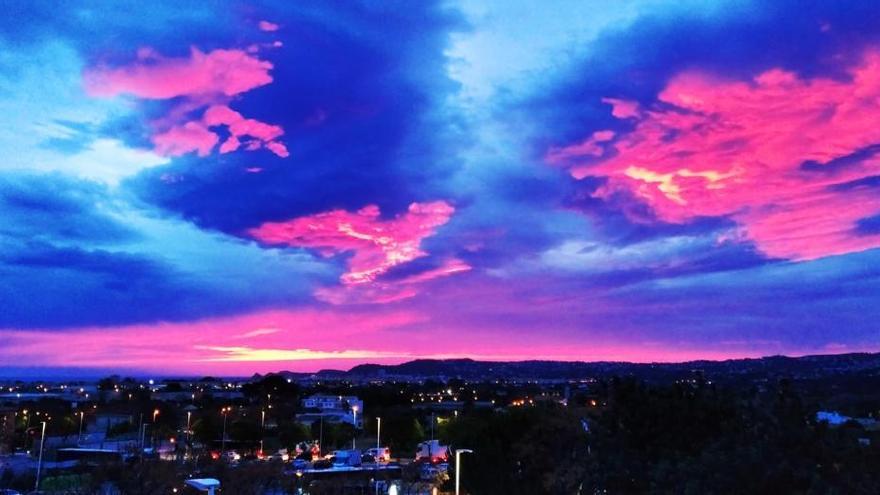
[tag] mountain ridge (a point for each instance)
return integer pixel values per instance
(549, 369)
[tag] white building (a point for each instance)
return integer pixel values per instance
(334, 408)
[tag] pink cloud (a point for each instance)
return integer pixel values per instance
(203, 80)
(268, 26)
(240, 127)
(152, 76)
(731, 148)
(382, 292)
(377, 244)
(449, 267)
(592, 146)
(186, 138)
(622, 109)
(374, 293)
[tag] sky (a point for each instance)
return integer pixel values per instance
(198, 187)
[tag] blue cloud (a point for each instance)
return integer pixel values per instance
(801, 305)
(356, 103)
(736, 39)
(74, 252)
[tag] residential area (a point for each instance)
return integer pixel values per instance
(436, 428)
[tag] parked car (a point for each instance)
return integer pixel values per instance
(281, 456)
(347, 458)
(381, 454)
(431, 451)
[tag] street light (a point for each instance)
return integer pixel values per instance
(458, 453)
(354, 411)
(153, 431)
(225, 412)
(262, 429)
(378, 432)
(143, 435)
(40, 461)
(79, 438)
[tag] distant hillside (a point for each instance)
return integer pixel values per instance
(470, 369)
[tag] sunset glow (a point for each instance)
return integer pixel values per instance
(239, 188)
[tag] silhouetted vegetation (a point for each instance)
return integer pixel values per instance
(689, 438)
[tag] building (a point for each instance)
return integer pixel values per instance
(333, 408)
(104, 422)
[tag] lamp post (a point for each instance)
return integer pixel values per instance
(354, 412)
(153, 431)
(262, 429)
(458, 453)
(188, 445)
(79, 438)
(378, 432)
(40, 461)
(225, 412)
(143, 435)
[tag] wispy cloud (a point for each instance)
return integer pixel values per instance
(247, 354)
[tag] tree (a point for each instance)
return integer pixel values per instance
(244, 431)
(292, 433)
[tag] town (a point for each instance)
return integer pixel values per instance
(434, 427)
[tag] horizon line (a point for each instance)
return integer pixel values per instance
(55, 373)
